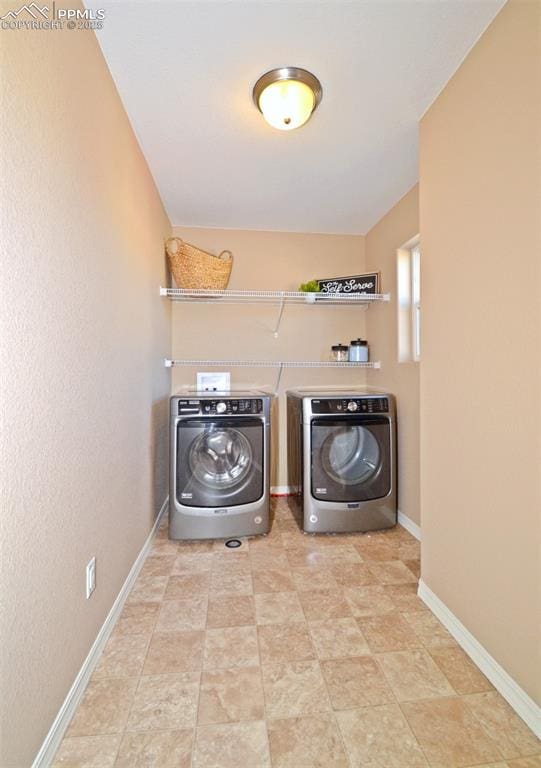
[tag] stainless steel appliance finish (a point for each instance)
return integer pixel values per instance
(219, 465)
(342, 459)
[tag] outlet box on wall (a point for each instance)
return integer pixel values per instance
(213, 382)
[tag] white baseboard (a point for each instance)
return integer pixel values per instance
(407, 523)
(524, 706)
(52, 741)
(282, 490)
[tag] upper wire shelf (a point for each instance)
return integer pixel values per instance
(273, 297)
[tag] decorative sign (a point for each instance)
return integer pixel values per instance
(353, 284)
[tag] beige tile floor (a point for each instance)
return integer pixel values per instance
(293, 651)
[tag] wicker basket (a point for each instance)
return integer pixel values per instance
(197, 269)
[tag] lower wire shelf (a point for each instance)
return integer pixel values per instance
(270, 364)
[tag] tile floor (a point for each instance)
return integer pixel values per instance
(293, 651)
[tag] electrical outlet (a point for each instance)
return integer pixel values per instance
(90, 577)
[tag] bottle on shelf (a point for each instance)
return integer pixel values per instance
(339, 353)
(358, 351)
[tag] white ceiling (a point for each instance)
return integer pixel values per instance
(185, 72)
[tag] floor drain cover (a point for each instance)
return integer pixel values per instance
(233, 543)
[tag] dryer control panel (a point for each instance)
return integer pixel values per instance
(351, 405)
(222, 407)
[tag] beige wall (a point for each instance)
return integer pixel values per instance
(480, 179)
(398, 226)
(84, 391)
(272, 261)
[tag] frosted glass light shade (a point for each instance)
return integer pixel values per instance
(287, 104)
(287, 97)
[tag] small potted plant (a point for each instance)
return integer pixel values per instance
(310, 289)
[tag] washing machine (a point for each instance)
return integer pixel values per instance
(219, 465)
(342, 459)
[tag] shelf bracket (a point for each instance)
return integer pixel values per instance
(280, 313)
(280, 369)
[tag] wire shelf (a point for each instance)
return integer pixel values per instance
(269, 364)
(272, 297)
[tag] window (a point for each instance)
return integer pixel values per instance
(409, 301)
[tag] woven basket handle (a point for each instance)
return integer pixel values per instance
(173, 245)
(226, 256)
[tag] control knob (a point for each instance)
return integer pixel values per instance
(221, 407)
(352, 405)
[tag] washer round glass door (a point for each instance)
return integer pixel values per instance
(351, 455)
(219, 461)
(220, 458)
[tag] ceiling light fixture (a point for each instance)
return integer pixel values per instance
(287, 96)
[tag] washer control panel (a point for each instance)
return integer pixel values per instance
(222, 407)
(351, 405)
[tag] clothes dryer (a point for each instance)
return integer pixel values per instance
(342, 459)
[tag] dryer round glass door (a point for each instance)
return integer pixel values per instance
(351, 455)
(350, 458)
(220, 458)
